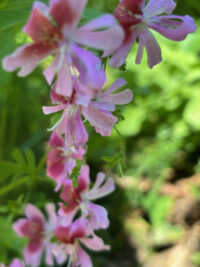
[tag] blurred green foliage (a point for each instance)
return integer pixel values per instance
(158, 139)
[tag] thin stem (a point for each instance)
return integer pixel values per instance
(123, 142)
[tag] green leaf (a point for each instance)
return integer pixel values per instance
(30, 157)
(111, 161)
(7, 168)
(9, 240)
(13, 12)
(17, 155)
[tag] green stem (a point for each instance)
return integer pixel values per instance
(123, 142)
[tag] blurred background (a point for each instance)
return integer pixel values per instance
(153, 153)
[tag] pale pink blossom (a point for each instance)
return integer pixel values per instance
(39, 231)
(61, 159)
(14, 263)
(54, 30)
(72, 236)
(96, 106)
(137, 19)
(80, 198)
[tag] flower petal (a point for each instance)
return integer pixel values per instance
(102, 105)
(83, 258)
(64, 82)
(84, 179)
(95, 243)
(89, 67)
(67, 12)
(102, 121)
(106, 20)
(99, 192)
(129, 12)
(66, 215)
(27, 57)
(147, 40)
(18, 227)
(59, 253)
(50, 72)
(75, 132)
(121, 98)
(121, 53)
(56, 140)
(31, 211)
(98, 216)
(157, 7)
(117, 84)
(173, 27)
(17, 263)
(52, 109)
(33, 259)
(40, 28)
(49, 259)
(69, 196)
(107, 40)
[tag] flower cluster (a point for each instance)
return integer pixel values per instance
(77, 80)
(64, 226)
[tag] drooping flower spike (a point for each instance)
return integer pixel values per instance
(80, 198)
(14, 263)
(72, 235)
(97, 110)
(61, 159)
(39, 232)
(54, 30)
(137, 20)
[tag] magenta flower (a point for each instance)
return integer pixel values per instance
(61, 159)
(80, 198)
(136, 20)
(95, 106)
(14, 263)
(39, 232)
(54, 30)
(79, 231)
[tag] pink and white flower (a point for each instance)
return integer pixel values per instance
(15, 263)
(136, 18)
(39, 232)
(96, 107)
(72, 235)
(54, 31)
(61, 159)
(80, 198)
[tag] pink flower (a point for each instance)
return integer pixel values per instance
(15, 263)
(80, 198)
(79, 231)
(39, 232)
(54, 30)
(96, 107)
(136, 19)
(61, 159)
